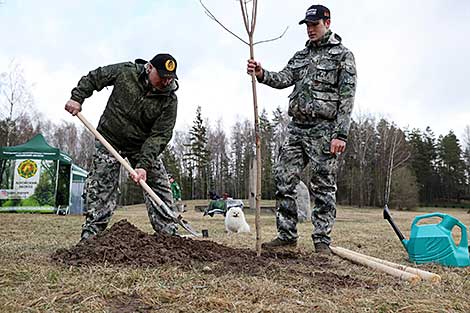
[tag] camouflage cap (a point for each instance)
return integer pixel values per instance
(316, 12)
(165, 65)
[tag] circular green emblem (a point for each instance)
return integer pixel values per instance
(27, 168)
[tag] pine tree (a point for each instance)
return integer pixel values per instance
(423, 160)
(451, 167)
(171, 162)
(198, 157)
(267, 179)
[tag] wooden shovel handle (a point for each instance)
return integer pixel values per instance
(121, 160)
(413, 278)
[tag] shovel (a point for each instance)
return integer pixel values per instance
(162, 208)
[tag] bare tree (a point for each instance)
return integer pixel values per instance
(250, 24)
(466, 137)
(86, 144)
(15, 99)
(361, 146)
(280, 124)
(217, 144)
(398, 155)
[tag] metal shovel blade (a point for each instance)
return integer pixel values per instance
(168, 213)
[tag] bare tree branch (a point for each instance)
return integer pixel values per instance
(244, 15)
(254, 12)
(209, 13)
(268, 40)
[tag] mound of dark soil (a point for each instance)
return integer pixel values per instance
(125, 244)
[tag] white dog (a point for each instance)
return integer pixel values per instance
(235, 221)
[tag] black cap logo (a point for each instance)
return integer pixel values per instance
(170, 65)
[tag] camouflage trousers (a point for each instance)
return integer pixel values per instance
(301, 147)
(101, 193)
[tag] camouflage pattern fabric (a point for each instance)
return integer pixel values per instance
(303, 146)
(138, 119)
(101, 193)
(324, 75)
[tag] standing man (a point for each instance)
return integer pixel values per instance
(138, 122)
(324, 75)
(176, 192)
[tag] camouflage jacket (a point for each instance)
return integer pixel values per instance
(138, 120)
(324, 75)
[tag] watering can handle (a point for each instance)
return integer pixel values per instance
(464, 240)
(420, 217)
(448, 222)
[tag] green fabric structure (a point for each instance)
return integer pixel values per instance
(36, 148)
(49, 182)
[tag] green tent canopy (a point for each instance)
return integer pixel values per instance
(36, 148)
(36, 177)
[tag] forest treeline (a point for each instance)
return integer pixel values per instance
(209, 156)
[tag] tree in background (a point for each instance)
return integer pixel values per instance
(219, 172)
(398, 156)
(404, 189)
(181, 148)
(362, 148)
(451, 168)
(205, 158)
(466, 157)
(423, 162)
(242, 154)
(198, 157)
(267, 143)
(279, 129)
(172, 164)
(16, 101)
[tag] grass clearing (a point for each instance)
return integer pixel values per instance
(29, 282)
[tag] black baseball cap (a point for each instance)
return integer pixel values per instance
(316, 12)
(165, 65)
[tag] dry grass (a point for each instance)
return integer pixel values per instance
(30, 283)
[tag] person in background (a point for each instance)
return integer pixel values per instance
(176, 192)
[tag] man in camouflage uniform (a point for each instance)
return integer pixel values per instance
(324, 79)
(138, 122)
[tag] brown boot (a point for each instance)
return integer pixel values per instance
(322, 248)
(278, 243)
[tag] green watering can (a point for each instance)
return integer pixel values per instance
(434, 242)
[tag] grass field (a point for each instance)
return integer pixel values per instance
(30, 282)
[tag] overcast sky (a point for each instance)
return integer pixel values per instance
(412, 57)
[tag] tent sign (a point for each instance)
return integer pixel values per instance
(27, 173)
